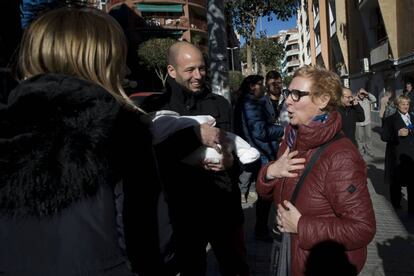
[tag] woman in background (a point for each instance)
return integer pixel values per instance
(398, 132)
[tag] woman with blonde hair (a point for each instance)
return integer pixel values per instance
(65, 144)
(398, 132)
(319, 180)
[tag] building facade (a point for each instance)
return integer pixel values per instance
(290, 41)
(369, 43)
(182, 19)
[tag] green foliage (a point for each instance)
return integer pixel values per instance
(153, 54)
(245, 14)
(268, 52)
(287, 80)
(235, 79)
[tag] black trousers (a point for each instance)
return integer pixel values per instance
(227, 243)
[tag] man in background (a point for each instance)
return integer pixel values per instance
(363, 131)
(351, 113)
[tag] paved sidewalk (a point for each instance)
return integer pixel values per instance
(391, 253)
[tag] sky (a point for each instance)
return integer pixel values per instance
(274, 26)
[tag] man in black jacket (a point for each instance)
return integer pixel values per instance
(204, 201)
(351, 113)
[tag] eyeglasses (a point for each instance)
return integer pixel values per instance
(295, 94)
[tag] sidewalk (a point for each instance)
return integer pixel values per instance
(391, 253)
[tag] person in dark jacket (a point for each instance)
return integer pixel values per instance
(204, 200)
(398, 132)
(65, 145)
(351, 113)
(334, 203)
(255, 122)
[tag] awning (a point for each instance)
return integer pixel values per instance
(160, 8)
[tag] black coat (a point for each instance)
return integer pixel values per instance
(350, 116)
(65, 143)
(192, 191)
(399, 156)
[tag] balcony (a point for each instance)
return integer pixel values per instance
(332, 28)
(168, 23)
(318, 49)
(316, 20)
(292, 52)
(202, 3)
(379, 53)
(198, 24)
(293, 63)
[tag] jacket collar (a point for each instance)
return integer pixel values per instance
(310, 137)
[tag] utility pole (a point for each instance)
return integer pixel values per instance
(217, 44)
(232, 56)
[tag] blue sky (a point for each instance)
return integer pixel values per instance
(274, 26)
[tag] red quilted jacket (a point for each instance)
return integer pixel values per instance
(334, 200)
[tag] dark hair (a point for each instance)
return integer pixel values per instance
(273, 75)
(249, 80)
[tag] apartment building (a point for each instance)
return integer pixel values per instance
(369, 43)
(290, 41)
(182, 19)
(302, 22)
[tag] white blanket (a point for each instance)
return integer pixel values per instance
(165, 123)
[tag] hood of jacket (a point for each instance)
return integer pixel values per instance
(54, 140)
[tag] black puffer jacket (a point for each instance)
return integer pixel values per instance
(64, 144)
(192, 190)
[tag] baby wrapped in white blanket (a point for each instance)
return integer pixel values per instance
(165, 123)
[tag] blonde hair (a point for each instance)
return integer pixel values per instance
(86, 43)
(324, 82)
(401, 98)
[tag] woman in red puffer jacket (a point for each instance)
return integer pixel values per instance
(334, 203)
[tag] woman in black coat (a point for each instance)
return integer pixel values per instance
(399, 156)
(68, 138)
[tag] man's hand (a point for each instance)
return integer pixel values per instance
(403, 132)
(225, 163)
(210, 136)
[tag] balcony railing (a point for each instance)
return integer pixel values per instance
(178, 22)
(333, 28)
(318, 49)
(198, 24)
(198, 2)
(379, 53)
(292, 52)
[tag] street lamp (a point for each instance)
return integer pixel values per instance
(232, 59)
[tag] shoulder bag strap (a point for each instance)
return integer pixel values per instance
(309, 166)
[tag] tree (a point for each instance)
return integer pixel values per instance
(245, 14)
(268, 53)
(153, 54)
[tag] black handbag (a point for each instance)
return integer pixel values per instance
(280, 254)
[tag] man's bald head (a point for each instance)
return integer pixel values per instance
(178, 49)
(186, 65)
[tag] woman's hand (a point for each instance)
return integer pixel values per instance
(403, 132)
(284, 166)
(287, 218)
